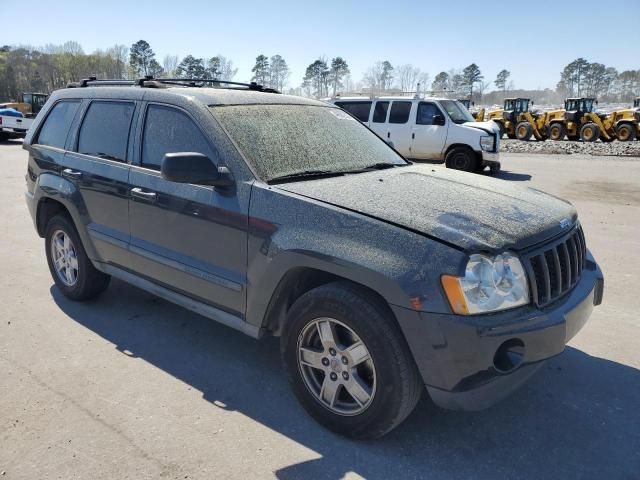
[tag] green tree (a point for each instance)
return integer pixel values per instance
(441, 82)
(278, 72)
(142, 59)
(386, 78)
(501, 80)
(315, 78)
(261, 70)
(339, 69)
(470, 76)
(191, 67)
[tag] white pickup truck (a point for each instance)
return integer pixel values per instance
(13, 126)
(429, 128)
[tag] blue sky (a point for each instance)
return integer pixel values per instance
(533, 43)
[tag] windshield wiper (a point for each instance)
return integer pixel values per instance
(374, 166)
(305, 174)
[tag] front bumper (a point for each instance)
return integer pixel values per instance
(457, 355)
(491, 160)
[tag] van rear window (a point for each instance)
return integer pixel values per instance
(360, 110)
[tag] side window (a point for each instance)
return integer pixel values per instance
(360, 110)
(380, 112)
(426, 112)
(400, 112)
(56, 125)
(168, 130)
(105, 130)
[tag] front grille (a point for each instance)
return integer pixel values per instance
(556, 268)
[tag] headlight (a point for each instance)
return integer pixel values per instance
(487, 143)
(489, 284)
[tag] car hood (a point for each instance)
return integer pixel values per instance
(467, 211)
(489, 127)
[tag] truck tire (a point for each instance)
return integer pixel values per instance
(590, 132)
(557, 131)
(70, 267)
(347, 361)
(461, 158)
(524, 131)
(626, 132)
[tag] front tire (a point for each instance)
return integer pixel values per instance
(348, 363)
(590, 132)
(557, 131)
(461, 158)
(70, 267)
(626, 132)
(524, 131)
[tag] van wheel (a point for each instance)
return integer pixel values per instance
(348, 363)
(70, 267)
(461, 158)
(626, 132)
(557, 131)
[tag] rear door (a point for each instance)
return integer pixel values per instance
(428, 140)
(192, 238)
(398, 128)
(97, 162)
(359, 109)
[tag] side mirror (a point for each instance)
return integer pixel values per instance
(532, 103)
(596, 102)
(438, 120)
(196, 168)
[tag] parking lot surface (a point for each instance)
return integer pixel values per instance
(130, 386)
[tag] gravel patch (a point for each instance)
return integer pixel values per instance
(615, 148)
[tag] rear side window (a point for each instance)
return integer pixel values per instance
(400, 112)
(105, 130)
(380, 112)
(426, 112)
(56, 126)
(168, 130)
(360, 110)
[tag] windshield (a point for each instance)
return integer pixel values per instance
(456, 111)
(285, 140)
(587, 105)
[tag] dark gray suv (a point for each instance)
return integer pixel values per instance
(279, 215)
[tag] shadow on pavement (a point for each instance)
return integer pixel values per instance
(577, 417)
(513, 176)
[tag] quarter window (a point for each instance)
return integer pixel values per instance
(400, 112)
(360, 110)
(105, 130)
(168, 130)
(56, 126)
(426, 112)
(380, 112)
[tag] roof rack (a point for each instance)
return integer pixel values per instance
(150, 82)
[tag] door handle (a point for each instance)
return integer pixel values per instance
(140, 193)
(413, 135)
(67, 172)
(388, 134)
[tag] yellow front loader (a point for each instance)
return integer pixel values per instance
(517, 121)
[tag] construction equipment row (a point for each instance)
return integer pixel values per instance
(578, 120)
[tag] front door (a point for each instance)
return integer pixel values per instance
(191, 238)
(398, 129)
(428, 140)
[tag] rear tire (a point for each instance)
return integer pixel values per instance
(557, 131)
(626, 132)
(461, 158)
(70, 267)
(524, 131)
(590, 132)
(361, 351)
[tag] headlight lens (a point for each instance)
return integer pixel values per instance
(489, 284)
(487, 143)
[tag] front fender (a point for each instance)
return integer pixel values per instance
(287, 231)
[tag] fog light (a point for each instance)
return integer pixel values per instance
(509, 356)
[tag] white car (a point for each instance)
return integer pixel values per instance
(14, 127)
(429, 129)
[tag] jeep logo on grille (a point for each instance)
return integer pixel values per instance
(564, 223)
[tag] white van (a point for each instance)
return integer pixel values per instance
(429, 129)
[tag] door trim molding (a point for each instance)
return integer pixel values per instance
(203, 309)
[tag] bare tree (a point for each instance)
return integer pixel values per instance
(170, 65)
